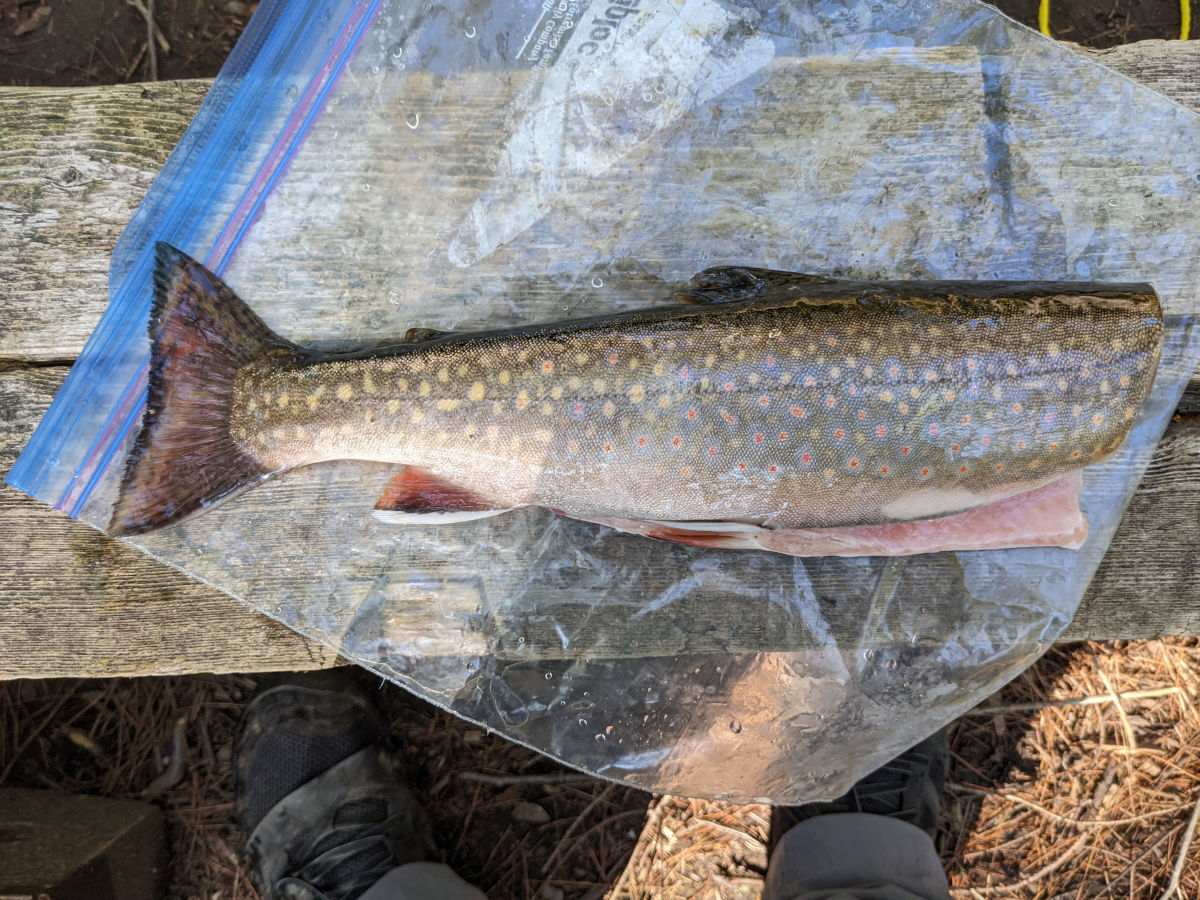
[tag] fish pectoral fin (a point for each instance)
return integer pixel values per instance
(420, 335)
(417, 497)
(717, 535)
(726, 284)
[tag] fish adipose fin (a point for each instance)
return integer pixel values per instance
(420, 335)
(726, 284)
(184, 458)
(417, 497)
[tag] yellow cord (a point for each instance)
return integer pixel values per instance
(1044, 16)
(1185, 19)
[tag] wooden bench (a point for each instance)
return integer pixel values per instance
(75, 163)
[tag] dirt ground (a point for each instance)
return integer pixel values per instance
(75, 42)
(1078, 780)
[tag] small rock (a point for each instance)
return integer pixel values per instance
(530, 813)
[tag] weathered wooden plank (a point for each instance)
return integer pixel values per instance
(75, 602)
(74, 165)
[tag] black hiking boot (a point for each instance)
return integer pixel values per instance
(908, 788)
(321, 802)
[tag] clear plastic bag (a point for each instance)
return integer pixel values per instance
(359, 169)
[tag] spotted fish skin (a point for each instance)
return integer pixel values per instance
(758, 399)
(778, 400)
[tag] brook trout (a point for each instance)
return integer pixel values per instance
(760, 408)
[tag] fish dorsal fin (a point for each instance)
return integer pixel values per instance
(417, 497)
(420, 335)
(725, 284)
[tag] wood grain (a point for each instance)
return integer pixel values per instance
(74, 164)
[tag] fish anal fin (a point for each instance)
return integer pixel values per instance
(417, 496)
(715, 535)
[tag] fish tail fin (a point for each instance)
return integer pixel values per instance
(184, 458)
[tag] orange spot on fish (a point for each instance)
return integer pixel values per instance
(613, 357)
(1075, 454)
(783, 436)
(572, 446)
(954, 447)
(759, 437)
(925, 472)
(798, 412)
(692, 414)
(933, 429)
(577, 408)
(641, 442)
(683, 374)
(830, 402)
(831, 341)
(852, 391)
(608, 448)
(729, 420)
(770, 362)
(773, 468)
(1017, 408)
(1020, 445)
(712, 450)
(809, 381)
(962, 468)
(806, 458)
(547, 366)
(966, 420)
(764, 401)
(881, 431)
(999, 467)
(862, 414)
(884, 470)
(1048, 417)
(854, 462)
(986, 440)
(838, 434)
(1054, 446)
(894, 371)
(1097, 419)
(676, 441)
(729, 385)
(904, 451)
(742, 465)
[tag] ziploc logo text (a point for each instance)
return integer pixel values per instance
(602, 30)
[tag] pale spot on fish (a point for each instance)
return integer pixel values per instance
(283, 401)
(609, 409)
(664, 401)
(599, 385)
(504, 376)
(423, 389)
(522, 399)
(543, 435)
(393, 406)
(785, 378)
(402, 384)
(344, 392)
(658, 369)
(997, 393)
(914, 393)
(637, 393)
(633, 364)
(443, 375)
(448, 405)
(581, 359)
(1077, 410)
(886, 396)
(835, 372)
(463, 370)
(556, 392)
(547, 409)
(1054, 350)
(346, 428)
(491, 432)
(930, 375)
(369, 416)
(752, 378)
(368, 383)
(476, 392)
(868, 371)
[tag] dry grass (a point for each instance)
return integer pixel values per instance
(1080, 779)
